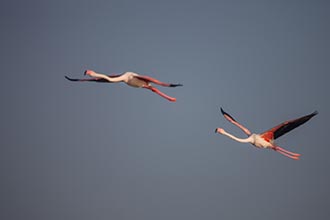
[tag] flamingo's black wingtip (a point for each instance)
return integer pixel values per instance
(175, 85)
(314, 113)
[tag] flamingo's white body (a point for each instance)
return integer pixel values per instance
(131, 79)
(266, 139)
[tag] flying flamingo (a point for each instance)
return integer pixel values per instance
(266, 139)
(131, 79)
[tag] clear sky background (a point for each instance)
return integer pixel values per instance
(108, 151)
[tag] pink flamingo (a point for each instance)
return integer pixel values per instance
(266, 139)
(131, 79)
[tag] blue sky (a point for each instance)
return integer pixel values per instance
(109, 151)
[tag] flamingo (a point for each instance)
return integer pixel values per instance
(131, 79)
(266, 139)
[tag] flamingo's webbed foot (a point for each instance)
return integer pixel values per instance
(169, 98)
(286, 153)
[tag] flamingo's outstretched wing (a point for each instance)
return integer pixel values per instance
(100, 80)
(87, 80)
(287, 126)
(232, 120)
(153, 80)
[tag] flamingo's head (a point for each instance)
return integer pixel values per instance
(88, 72)
(219, 130)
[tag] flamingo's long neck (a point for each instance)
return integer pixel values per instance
(110, 79)
(242, 140)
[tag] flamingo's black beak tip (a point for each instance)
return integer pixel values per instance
(222, 111)
(216, 130)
